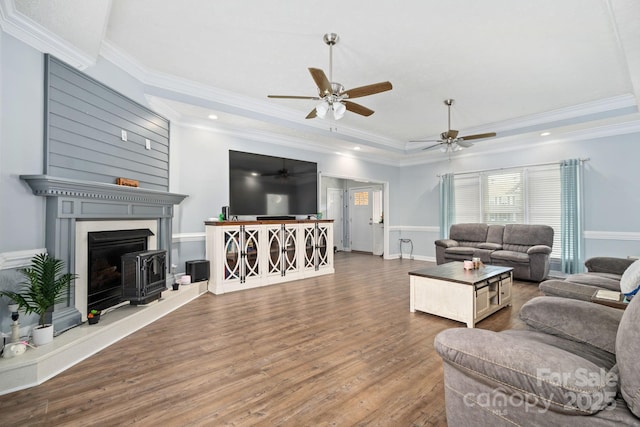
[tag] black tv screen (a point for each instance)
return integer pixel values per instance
(271, 186)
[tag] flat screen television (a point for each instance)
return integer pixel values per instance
(268, 186)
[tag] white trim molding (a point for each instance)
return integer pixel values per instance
(612, 235)
(415, 228)
(188, 237)
(18, 259)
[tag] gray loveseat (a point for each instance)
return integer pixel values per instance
(525, 247)
(602, 273)
(576, 365)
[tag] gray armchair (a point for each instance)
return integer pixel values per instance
(575, 365)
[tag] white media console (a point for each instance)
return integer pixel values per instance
(249, 254)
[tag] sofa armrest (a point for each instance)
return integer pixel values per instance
(575, 320)
(446, 243)
(539, 249)
(535, 372)
(611, 265)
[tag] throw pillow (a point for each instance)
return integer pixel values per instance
(630, 280)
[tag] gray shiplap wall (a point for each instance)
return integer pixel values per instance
(84, 121)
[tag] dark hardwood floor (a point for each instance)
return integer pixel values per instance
(335, 350)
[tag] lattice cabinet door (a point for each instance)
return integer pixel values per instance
(308, 246)
(250, 255)
(231, 254)
(275, 246)
(323, 245)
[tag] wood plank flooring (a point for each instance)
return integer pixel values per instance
(337, 350)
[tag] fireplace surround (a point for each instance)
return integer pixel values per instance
(74, 204)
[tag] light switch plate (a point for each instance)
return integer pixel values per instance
(147, 144)
(123, 135)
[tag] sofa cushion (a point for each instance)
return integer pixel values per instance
(460, 251)
(527, 235)
(612, 265)
(469, 232)
(627, 351)
(494, 234)
(566, 289)
(511, 256)
(600, 280)
(573, 320)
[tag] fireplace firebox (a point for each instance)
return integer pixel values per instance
(106, 276)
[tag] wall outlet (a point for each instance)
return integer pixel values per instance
(123, 135)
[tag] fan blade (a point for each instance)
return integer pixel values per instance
(464, 144)
(478, 136)
(367, 90)
(434, 145)
(292, 97)
(323, 83)
(426, 140)
(312, 114)
(358, 109)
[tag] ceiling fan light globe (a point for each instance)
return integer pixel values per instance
(321, 109)
(338, 110)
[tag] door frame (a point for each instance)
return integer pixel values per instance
(337, 227)
(385, 202)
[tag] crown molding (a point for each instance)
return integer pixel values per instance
(35, 35)
(167, 86)
(620, 125)
(586, 109)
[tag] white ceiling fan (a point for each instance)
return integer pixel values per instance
(450, 141)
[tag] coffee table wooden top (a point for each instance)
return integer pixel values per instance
(455, 272)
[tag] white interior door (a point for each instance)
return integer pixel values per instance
(361, 219)
(335, 204)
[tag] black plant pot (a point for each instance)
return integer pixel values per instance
(93, 320)
(176, 286)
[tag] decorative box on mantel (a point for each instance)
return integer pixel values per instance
(70, 200)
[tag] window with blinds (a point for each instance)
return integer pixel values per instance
(528, 195)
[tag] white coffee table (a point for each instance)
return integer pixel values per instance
(468, 296)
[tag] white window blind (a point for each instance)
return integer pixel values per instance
(528, 195)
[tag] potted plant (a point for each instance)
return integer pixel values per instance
(93, 317)
(44, 287)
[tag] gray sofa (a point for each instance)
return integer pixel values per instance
(602, 273)
(525, 247)
(576, 364)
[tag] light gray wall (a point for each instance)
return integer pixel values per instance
(21, 145)
(198, 167)
(611, 202)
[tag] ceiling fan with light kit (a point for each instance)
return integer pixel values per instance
(450, 141)
(333, 95)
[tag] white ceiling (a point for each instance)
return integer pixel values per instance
(513, 67)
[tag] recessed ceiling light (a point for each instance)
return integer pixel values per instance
(213, 117)
(545, 134)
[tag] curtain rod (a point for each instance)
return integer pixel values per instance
(512, 167)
